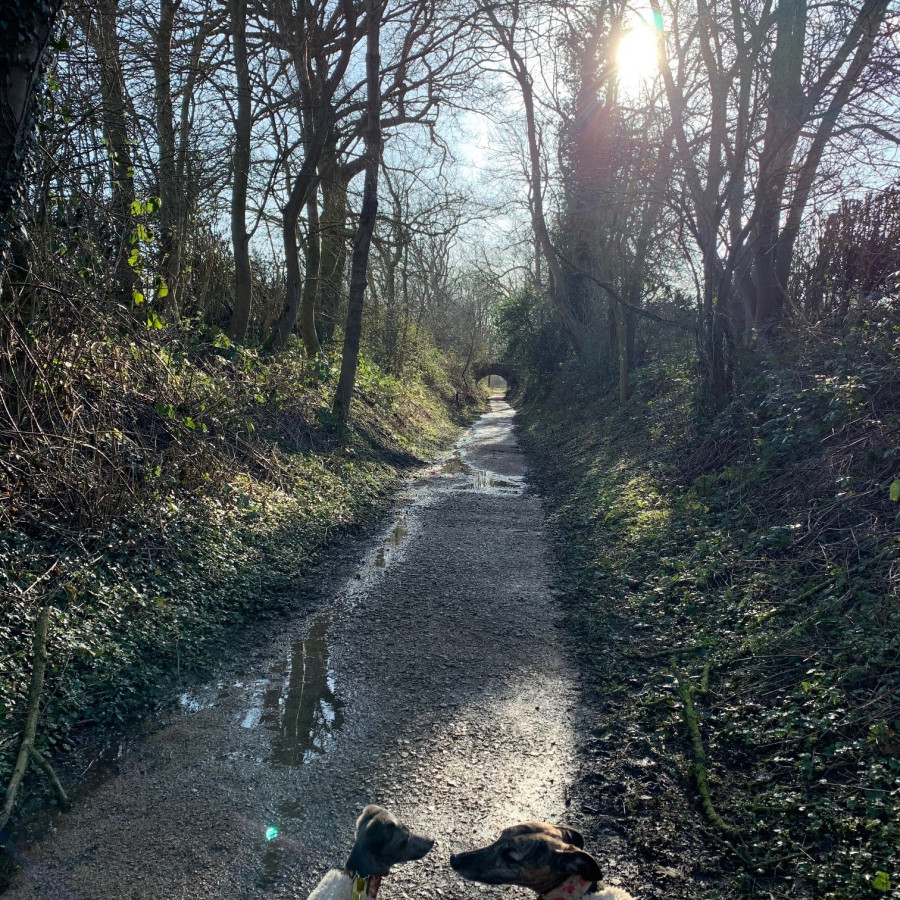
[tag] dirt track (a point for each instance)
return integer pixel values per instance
(432, 681)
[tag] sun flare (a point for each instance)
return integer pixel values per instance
(637, 59)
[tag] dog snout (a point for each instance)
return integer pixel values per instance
(418, 846)
(461, 862)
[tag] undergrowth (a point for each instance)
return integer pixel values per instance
(159, 491)
(759, 552)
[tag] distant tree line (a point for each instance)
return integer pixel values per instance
(704, 190)
(231, 165)
(272, 169)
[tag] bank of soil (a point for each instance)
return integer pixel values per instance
(433, 677)
(729, 561)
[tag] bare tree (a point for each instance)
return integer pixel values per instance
(321, 43)
(506, 32)
(755, 94)
(27, 32)
(100, 26)
(366, 225)
(177, 186)
(243, 127)
(792, 106)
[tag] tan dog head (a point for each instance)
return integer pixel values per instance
(534, 855)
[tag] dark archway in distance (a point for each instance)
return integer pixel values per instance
(506, 372)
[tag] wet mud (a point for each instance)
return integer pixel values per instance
(433, 680)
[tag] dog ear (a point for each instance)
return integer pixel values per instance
(372, 812)
(577, 862)
(571, 836)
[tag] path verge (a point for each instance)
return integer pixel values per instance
(738, 635)
(147, 600)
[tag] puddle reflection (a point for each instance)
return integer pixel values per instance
(487, 482)
(455, 465)
(398, 534)
(301, 705)
(482, 481)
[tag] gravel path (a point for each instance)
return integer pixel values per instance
(432, 682)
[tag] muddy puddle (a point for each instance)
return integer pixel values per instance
(468, 477)
(301, 706)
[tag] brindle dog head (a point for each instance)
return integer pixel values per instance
(381, 842)
(534, 855)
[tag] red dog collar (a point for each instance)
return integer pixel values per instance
(571, 889)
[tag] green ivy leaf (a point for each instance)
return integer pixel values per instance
(138, 297)
(153, 321)
(882, 881)
(895, 490)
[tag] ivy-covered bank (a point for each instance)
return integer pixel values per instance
(217, 479)
(735, 601)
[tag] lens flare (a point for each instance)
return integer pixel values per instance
(637, 56)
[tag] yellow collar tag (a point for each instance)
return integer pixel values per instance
(359, 887)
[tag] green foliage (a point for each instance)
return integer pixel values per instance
(766, 540)
(183, 507)
(535, 340)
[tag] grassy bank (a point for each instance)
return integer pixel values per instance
(745, 568)
(182, 495)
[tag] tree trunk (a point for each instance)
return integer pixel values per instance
(634, 297)
(784, 120)
(292, 280)
(39, 665)
(720, 343)
(102, 33)
(868, 24)
(333, 224)
(20, 73)
(240, 240)
(290, 217)
(311, 277)
(363, 238)
(624, 363)
(170, 190)
(306, 182)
